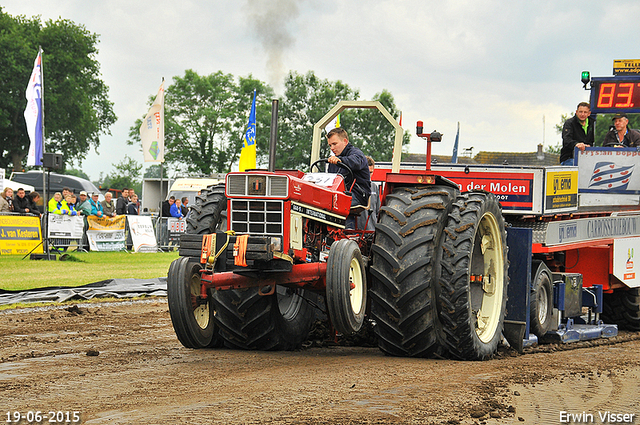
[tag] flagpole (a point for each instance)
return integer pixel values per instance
(45, 201)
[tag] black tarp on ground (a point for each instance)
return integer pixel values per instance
(116, 288)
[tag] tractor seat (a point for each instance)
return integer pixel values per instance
(357, 209)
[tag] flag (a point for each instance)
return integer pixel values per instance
(248, 153)
(400, 121)
(152, 130)
(454, 157)
(608, 175)
(33, 113)
(334, 123)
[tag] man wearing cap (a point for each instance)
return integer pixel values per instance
(577, 132)
(620, 135)
(96, 206)
(83, 206)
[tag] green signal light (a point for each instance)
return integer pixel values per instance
(586, 77)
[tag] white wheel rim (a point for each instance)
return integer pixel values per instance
(200, 312)
(356, 285)
(488, 316)
(543, 306)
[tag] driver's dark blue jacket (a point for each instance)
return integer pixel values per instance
(353, 158)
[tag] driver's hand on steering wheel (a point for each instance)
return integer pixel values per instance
(333, 160)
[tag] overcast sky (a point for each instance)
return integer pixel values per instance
(497, 67)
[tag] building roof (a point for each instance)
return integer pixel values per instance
(485, 157)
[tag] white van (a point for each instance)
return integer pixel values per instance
(190, 187)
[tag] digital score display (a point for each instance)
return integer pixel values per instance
(615, 95)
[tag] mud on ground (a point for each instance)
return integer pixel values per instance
(120, 363)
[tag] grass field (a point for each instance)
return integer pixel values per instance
(81, 268)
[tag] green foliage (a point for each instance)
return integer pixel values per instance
(77, 107)
(205, 120)
(127, 174)
(77, 173)
(553, 149)
(154, 172)
(604, 124)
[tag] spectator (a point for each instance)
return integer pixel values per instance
(21, 202)
(84, 205)
(96, 205)
(71, 204)
(34, 198)
(6, 201)
(132, 208)
(57, 205)
(108, 206)
(183, 208)
(66, 192)
(577, 132)
(121, 203)
(176, 211)
(620, 135)
(166, 206)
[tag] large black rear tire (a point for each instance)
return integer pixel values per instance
(474, 279)
(405, 266)
(250, 321)
(623, 308)
(192, 320)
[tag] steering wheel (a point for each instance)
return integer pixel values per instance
(339, 164)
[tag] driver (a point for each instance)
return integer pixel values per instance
(353, 158)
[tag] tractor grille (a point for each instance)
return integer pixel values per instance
(257, 185)
(257, 217)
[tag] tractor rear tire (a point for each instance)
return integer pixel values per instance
(474, 279)
(208, 214)
(192, 321)
(250, 321)
(405, 267)
(346, 287)
(541, 302)
(623, 308)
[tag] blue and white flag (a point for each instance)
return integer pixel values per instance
(33, 113)
(248, 152)
(454, 156)
(608, 175)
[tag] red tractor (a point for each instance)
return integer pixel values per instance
(432, 277)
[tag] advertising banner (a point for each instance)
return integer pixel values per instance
(142, 234)
(65, 227)
(19, 234)
(106, 233)
(609, 170)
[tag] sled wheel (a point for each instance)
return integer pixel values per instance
(192, 318)
(622, 307)
(405, 268)
(474, 277)
(346, 287)
(541, 302)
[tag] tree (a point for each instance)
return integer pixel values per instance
(205, 120)
(308, 98)
(153, 172)
(77, 173)
(77, 106)
(126, 174)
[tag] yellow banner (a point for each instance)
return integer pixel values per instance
(106, 223)
(19, 234)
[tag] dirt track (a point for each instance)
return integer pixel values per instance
(121, 363)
